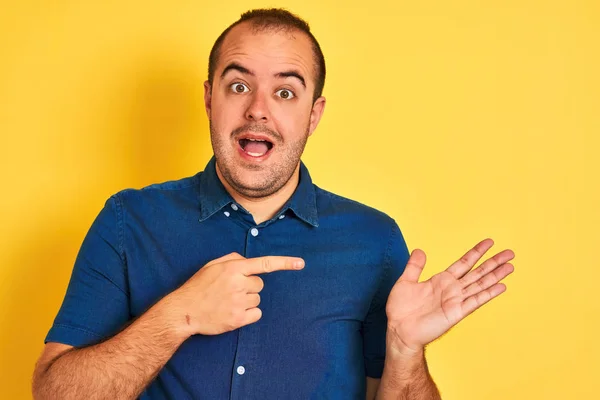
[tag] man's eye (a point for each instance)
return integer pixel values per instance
(285, 94)
(239, 88)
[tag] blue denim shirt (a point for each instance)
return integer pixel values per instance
(323, 328)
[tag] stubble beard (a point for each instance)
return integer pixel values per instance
(268, 180)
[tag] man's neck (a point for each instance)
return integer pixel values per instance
(264, 208)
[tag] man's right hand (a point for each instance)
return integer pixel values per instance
(224, 294)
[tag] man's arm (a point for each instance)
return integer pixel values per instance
(222, 296)
(119, 368)
(372, 387)
(403, 378)
(406, 377)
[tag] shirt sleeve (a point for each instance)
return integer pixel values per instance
(375, 324)
(96, 304)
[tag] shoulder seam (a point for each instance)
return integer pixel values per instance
(118, 208)
(375, 300)
(386, 261)
(388, 251)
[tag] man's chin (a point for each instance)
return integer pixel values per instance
(255, 192)
(253, 185)
(252, 181)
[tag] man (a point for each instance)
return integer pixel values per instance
(247, 281)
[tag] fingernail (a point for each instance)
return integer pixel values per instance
(299, 264)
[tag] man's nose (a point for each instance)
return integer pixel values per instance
(258, 110)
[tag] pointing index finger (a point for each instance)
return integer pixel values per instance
(266, 264)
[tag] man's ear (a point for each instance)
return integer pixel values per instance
(316, 113)
(207, 97)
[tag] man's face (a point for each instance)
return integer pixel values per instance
(260, 108)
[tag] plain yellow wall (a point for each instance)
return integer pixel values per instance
(461, 119)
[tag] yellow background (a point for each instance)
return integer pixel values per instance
(461, 119)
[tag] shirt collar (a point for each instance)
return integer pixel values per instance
(304, 200)
(214, 196)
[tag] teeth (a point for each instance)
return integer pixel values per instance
(255, 154)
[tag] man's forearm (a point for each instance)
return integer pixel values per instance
(406, 377)
(119, 368)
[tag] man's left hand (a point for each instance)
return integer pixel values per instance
(420, 312)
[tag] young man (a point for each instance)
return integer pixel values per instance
(247, 281)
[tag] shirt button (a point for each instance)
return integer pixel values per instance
(241, 370)
(281, 216)
(227, 213)
(254, 232)
(235, 208)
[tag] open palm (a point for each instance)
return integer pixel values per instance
(420, 312)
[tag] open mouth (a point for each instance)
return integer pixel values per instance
(255, 147)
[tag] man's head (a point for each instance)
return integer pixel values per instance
(263, 99)
(274, 20)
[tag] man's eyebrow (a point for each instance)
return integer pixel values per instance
(292, 74)
(236, 67)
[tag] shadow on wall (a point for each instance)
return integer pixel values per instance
(157, 131)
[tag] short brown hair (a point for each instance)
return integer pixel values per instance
(273, 18)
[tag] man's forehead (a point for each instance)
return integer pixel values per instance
(289, 47)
